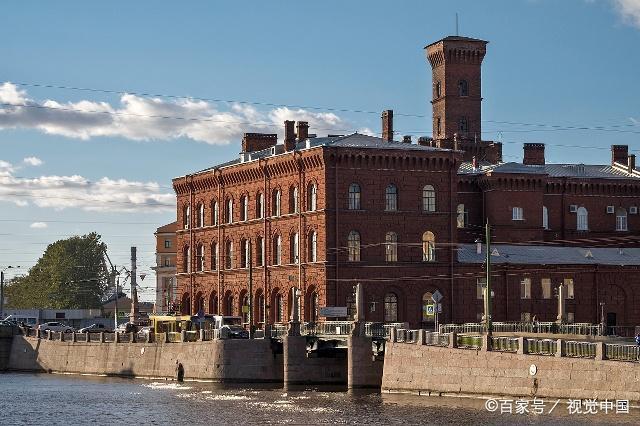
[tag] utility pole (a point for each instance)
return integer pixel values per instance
(134, 291)
(250, 313)
(2, 290)
(487, 289)
(115, 312)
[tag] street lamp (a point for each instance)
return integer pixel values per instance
(2, 289)
(602, 318)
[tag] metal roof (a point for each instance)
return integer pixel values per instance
(550, 255)
(552, 170)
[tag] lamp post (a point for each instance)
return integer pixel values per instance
(2, 289)
(602, 331)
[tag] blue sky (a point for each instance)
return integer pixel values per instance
(570, 63)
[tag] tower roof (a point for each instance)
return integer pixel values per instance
(458, 38)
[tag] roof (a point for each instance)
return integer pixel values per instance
(457, 38)
(550, 255)
(353, 140)
(168, 228)
(552, 170)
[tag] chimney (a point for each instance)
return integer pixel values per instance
(425, 141)
(619, 154)
(252, 142)
(631, 163)
(533, 154)
(474, 163)
(302, 130)
(406, 139)
(289, 135)
(387, 125)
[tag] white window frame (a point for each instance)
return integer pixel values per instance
(525, 288)
(517, 213)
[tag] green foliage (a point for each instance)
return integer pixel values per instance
(71, 274)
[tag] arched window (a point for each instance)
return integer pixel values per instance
(428, 313)
(244, 261)
(279, 308)
(313, 246)
(312, 197)
(229, 254)
(186, 304)
(294, 245)
(353, 244)
(214, 212)
(244, 208)
(199, 303)
(260, 308)
(621, 219)
(200, 258)
(391, 247)
(213, 303)
(200, 218)
(428, 198)
(461, 216)
(244, 308)
(438, 126)
(438, 91)
(351, 306)
(463, 125)
(313, 307)
(260, 251)
(390, 307)
(229, 211)
(186, 217)
(277, 250)
(582, 219)
(428, 247)
(463, 88)
(260, 205)
(545, 217)
(391, 198)
(293, 199)
(275, 203)
(228, 304)
(186, 259)
(354, 196)
(214, 256)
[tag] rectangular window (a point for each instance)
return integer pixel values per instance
(517, 213)
(546, 288)
(481, 283)
(525, 288)
(167, 261)
(571, 318)
(568, 282)
(167, 243)
(525, 317)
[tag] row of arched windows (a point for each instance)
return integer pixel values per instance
(391, 198)
(276, 207)
(463, 89)
(246, 253)
(391, 247)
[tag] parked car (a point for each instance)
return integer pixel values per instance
(55, 326)
(95, 328)
(127, 328)
(230, 327)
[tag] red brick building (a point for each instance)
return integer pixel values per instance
(321, 214)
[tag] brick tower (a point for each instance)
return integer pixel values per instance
(456, 63)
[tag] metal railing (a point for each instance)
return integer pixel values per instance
(93, 337)
(584, 329)
(174, 337)
(124, 337)
(618, 352)
(466, 341)
(191, 336)
(82, 337)
(580, 349)
(109, 337)
(461, 328)
(504, 344)
(412, 336)
(401, 335)
(622, 331)
(541, 346)
(279, 330)
(211, 334)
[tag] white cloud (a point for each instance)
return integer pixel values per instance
(33, 161)
(60, 192)
(142, 118)
(629, 10)
(38, 225)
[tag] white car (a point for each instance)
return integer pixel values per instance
(55, 326)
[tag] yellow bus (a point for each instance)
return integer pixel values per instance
(170, 323)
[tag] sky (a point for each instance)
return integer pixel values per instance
(103, 103)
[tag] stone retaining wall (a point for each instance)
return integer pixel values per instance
(441, 370)
(219, 360)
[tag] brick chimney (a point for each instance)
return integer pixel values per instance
(406, 139)
(533, 154)
(619, 154)
(252, 142)
(387, 125)
(302, 130)
(289, 135)
(631, 163)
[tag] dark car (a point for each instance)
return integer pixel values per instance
(95, 328)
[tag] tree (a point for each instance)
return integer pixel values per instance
(71, 274)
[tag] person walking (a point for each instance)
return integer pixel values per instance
(638, 346)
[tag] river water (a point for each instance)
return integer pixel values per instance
(64, 399)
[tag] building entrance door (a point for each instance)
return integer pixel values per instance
(611, 322)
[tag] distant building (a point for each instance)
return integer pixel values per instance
(165, 267)
(76, 318)
(322, 214)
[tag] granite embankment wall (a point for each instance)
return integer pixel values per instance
(6, 340)
(442, 370)
(219, 360)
